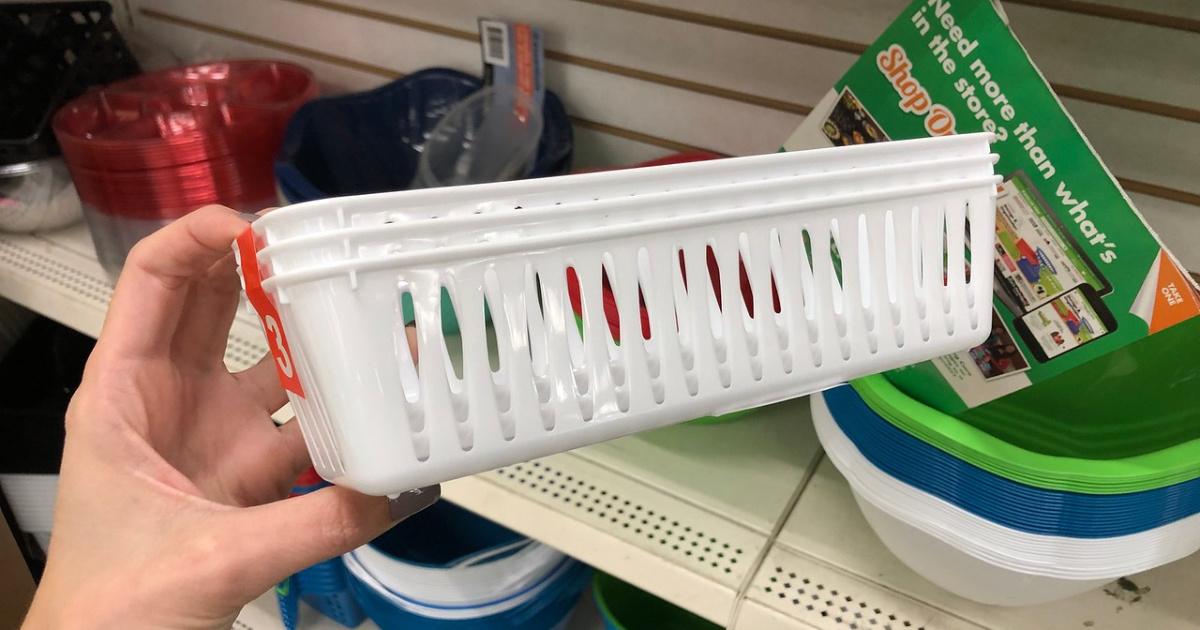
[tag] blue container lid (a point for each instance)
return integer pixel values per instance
(1000, 500)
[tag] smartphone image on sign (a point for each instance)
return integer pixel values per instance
(1065, 323)
(1036, 258)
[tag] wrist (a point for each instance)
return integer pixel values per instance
(71, 609)
(48, 612)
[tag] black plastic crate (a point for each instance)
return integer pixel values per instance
(49, 54)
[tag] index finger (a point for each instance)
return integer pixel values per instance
(152, 293)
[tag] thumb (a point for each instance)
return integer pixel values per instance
(284, 537)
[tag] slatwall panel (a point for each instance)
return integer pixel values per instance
(646, 77)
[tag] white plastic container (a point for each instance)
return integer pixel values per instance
(114, 237)
(376, 422)
(982, 560)
(963, 574)
(474, 588)
(37, 196)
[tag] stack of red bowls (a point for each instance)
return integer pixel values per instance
(145, 151)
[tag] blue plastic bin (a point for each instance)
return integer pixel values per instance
(370, 141)
(444, 536)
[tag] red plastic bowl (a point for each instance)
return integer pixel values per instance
(183, 115)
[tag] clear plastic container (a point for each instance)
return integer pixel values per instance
(36, 196)
(492, 136)
(114, 236)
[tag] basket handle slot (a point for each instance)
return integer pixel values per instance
(650, 342)
(711, 295)
(568, 377)
(576, 350)
(891, 266)
(590, 326)
(837, 286)
(799, 293)
(780, 321)
(486, 391)
(933, 262)
(868, 251)
(439, 384)
(746, 263)
(709, 339)
(410, 382)
(521, 383)
(917, 248)
(535, 334)
(452, 353)
(608, 278)
(683, 320)
(610, 366)
(498, 362)
(405, 342)
(448, 309)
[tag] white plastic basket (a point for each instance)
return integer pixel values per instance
(322, 216)
(318, 250)
(376, 421)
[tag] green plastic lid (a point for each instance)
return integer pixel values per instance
(1148, 471)
(1134, 400)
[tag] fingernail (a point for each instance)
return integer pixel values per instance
(248, 216)
(413, 501)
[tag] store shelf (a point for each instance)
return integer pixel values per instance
(689, 513)
(57, 275)
(683, 512)
(828, 570)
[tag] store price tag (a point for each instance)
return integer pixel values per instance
(268, 314)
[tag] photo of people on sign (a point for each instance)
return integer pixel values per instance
(999, 355)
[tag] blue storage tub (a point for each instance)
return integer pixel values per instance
(1000, 500)
(447, 537)
(370, 141)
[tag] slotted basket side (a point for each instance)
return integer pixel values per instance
(861, 289)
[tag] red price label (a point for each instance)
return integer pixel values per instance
(268, 314)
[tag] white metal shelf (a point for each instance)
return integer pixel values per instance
(688, 512)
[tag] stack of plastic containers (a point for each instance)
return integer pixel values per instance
(540, 384)
(147, 150)
(450, 569)
(998, 523)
